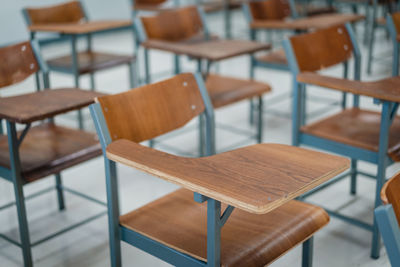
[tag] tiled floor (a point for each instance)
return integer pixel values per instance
(339, 244)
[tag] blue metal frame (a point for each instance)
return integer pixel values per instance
(254, 63)
(380, 158)
(389, 228)
(74, 70)
(14, 175)
(118, 233)
(393, 35)
(215, 221)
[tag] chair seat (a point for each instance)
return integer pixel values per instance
(273, 57)
(48, 149)
(90, 62)
(225, 90)
(179, 222)
(359, 128)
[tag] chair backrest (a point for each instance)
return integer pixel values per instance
(148, 2)
(173, 25)
(320, 49)
(155, 109)
(18, 62)
(388, 218)
(390, 194)
(70, 12)
(396, 20)
(270, 9)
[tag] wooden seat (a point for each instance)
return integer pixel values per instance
(89, 61)
(274, 57)
(226, 90)
(359, 128)
(48, 149)
(247, 239)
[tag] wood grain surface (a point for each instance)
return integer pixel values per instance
(44, 104)
(250, 240)
(18, 62)
(256, 178)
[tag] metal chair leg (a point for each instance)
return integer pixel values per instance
(353, 177)
(307, 257)
(371, 42)
(92, 82)
(132, 75)
(60, 192)
(19, 194)
(251, 111)
(201, 136)
(260, 120)
(80, 115)
(376, 237)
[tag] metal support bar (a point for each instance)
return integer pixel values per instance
(72, 191)
(12, 241)
(23, 134)
(94, 217)
(326, 184)
(36, 194)
(225, 216)
(350, 220)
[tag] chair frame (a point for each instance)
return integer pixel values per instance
(74, 70)
(215, 221)
(380, 158)
(393, 35)
(13, 175)
(254, 63)
(389, 229)
(203, 66)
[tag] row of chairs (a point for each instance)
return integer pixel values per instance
(76, 146)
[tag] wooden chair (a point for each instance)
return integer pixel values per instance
(41, 148)
(393, 25)
(354, 132)
(388, 218)
(280, 13)
(186, 26)
(77, 63)
(177, 229)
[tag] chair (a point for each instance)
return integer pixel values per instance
(276, 11)
(187, 26)
(175, 228)
(78, 63)
(353, 132)
(388, 217)
(393, 25)
(41, 148)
